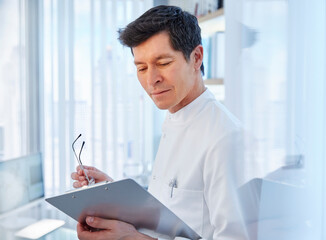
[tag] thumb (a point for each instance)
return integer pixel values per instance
(98, 175)
(94, 174)
(99, 223)
(79, 168)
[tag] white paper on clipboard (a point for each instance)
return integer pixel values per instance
(126, 201)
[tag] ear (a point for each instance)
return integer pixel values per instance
(198, 54)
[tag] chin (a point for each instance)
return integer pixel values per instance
(162, 106)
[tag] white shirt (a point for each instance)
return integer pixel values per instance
(200, 154)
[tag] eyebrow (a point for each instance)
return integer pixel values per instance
(163, 56)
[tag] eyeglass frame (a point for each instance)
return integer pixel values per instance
(90, 182)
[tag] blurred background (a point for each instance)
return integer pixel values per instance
(64, 73)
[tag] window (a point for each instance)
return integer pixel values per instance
(19, 110)
(91, 88)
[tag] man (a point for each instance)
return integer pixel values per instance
(195, 171)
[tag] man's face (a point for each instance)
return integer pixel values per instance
(164, 73)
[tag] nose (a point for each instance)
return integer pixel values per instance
(154, 76)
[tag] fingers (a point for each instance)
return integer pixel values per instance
(78, 184)
(74, 176)
(80, 180)
(92, 172)
(98, 175)
(107, 229)
(78, 176)
(86, 167)
(83, 232)
(82, 227)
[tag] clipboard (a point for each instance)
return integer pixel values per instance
(123, 200)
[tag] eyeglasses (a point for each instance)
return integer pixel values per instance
(90, 180)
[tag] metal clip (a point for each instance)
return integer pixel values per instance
(173, 184)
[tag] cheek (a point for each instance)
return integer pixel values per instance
(180, 79)
(174, 76)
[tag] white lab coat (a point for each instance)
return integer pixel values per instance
(197, 167)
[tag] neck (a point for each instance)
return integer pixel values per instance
(198, 88)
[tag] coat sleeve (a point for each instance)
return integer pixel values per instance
(222, 173)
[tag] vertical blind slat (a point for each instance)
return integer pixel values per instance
(62, 90)
(113, 92)
(72, 113)
(104, 99)
(92, 59)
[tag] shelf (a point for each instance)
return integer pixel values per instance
(212, 22)
(214, 81)
(210, 16)
(216, 86)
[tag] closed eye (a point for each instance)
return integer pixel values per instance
(164, 64)
(141, 69)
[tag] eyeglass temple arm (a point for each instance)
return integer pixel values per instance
(80, 162)
(73, 146)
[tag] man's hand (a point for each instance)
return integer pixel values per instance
(110, 229)
(80, 179)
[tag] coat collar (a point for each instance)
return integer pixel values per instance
(191, 110)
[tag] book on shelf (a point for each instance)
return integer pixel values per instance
(204, 7)
(214, 55)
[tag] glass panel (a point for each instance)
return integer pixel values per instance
(12, 81)
(102, 97)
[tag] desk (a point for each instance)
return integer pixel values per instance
(61, 233)
(14, 221)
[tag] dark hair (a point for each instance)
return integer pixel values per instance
(181, 26)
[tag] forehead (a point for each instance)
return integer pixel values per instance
(155, 47)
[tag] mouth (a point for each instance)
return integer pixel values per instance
(158, 93)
